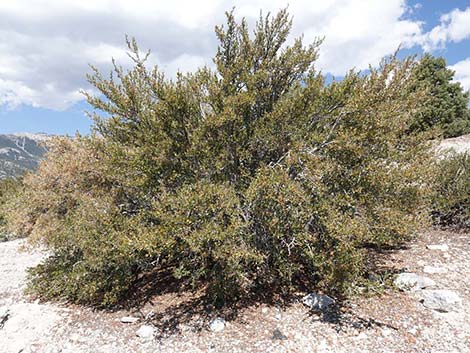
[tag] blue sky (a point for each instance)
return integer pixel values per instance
(46, 45)
(430, 13)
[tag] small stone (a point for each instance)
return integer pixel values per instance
(441, 247)
(217, 324)
(317, 302)
(129, 319)
(4, 311)
(409, 281)
(264, 310)
(150, 315)
(145, 332)
(323, 346)
(278, 335)
(361, 336)
(4, 316)
(434, 269)
(442, 300)
(74, 337)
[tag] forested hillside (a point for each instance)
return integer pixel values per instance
(20, 152)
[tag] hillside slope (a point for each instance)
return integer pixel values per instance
(20, 152)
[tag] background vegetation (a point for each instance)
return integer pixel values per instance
(452, 204)
(448, 106)
(9, 189)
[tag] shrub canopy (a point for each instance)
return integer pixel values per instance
(254, 174)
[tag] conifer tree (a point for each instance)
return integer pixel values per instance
(448, 104)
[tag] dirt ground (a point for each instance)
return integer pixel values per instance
(392, 322)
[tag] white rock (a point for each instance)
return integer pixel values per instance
(217, 324)
(4, 311)
(441, 247)
(434, 269)
(317, 301)
(129, 319)
(412, 282)
(150, 315)
(361, 336)
(386, 332)
(323, 347)
(145, 332)
(75, 337)
(4, 316)
(443, 300)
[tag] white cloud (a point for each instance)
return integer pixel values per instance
(46, 45)
(357, 32)
(462, 72)
(454, 27)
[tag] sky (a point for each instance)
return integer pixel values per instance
(47, 45)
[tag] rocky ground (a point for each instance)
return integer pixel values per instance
(459, 144)
(419, 318)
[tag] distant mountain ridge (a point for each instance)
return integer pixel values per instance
(20, 152)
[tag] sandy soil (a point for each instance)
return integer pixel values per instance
(392, 322)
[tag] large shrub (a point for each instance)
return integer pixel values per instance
(255, 174)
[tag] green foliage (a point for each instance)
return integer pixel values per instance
(452, 201)
(8, 190)
(448, 106)
(203, 233)
(253, 175)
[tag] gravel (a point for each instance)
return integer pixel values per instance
(393, 322)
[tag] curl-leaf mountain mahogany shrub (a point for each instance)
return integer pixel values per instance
(253, 175)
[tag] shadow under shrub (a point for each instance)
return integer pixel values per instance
(253, 175)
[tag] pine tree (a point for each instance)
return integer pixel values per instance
(448, 104)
